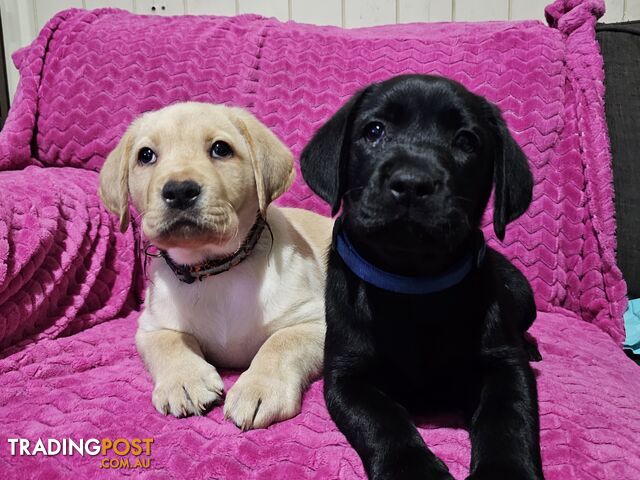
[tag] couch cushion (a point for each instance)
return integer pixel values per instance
(89, 73)
(94, 385)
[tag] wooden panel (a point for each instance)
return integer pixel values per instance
(124, 4)
(413, 11)
(211, 7)
(474, 10)
(632, 11)
(363, 13)
(4, 87)
(424, 11)
(160, 7)
(45, 9)
(268, 8)
(18, 30)
(528, 9)
(441, 11)
(325, 12)
(615, 10)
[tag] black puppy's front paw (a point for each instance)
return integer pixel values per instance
(413, 465)
(503, 473)
(414, 474)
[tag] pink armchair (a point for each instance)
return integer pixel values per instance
(70, 283)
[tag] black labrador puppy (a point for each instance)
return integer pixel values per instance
(421, 316)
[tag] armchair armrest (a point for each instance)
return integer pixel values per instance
(64, 266)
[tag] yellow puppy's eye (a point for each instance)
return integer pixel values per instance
(146, 156)
(221, 149)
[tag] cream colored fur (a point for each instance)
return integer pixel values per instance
(267, 313)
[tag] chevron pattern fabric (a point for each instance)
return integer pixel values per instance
(70, 283)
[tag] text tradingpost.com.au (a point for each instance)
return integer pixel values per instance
(117, 453)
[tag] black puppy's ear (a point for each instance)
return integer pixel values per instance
(512, 178)
(323, 161)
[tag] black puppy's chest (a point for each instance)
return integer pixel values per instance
(427, 345)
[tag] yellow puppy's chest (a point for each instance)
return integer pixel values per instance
(229, 319)
(229, 314)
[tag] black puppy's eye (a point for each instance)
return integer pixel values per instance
(221, 149)
(373, 131)
(466, 141)
(146, 156)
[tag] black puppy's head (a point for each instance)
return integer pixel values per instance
(413, 160)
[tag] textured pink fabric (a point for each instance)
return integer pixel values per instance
(64, 267)
(93, 384)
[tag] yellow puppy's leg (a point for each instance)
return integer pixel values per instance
(271, 389)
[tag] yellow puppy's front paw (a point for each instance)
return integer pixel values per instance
(189, 390)
(257, 400)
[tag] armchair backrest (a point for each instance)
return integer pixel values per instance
(89, 73)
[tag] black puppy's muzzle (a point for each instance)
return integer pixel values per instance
(411, 183)
(404, 192)
(411, 186)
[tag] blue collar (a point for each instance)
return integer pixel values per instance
(409, 285)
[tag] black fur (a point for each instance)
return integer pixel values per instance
(411, 204)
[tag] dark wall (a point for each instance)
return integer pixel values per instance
(620, 45)
(4, 91)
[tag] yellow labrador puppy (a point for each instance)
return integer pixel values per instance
(237, 283)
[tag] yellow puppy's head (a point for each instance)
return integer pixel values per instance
(197, 173)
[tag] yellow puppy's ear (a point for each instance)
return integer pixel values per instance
(271, 160)
(114, 180)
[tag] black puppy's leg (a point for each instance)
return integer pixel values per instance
(505, 434)
(505, 427)
(531, 347)
(381, 431)
(517, 301)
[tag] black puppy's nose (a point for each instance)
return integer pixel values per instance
(411, 185)
(180, 195)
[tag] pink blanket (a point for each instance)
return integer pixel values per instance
(70, 283)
